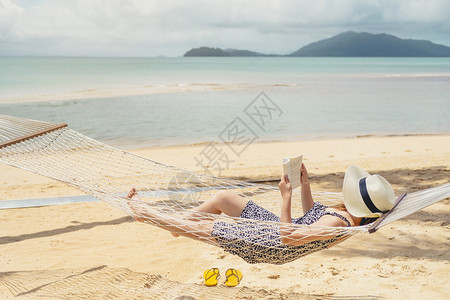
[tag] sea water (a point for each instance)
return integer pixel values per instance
(140, 102)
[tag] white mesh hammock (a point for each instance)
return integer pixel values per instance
(167, 194)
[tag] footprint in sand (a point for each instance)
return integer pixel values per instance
(56, 243)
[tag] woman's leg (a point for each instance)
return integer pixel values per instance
(195, 229)
(225, 202)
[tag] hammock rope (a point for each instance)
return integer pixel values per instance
(168, 194)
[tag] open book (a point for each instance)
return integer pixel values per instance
(291, 167)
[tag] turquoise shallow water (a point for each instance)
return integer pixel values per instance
(315, 97)
(28, 75)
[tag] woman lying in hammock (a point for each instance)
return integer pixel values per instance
(365, 196)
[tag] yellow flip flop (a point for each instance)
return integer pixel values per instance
(233, 277)
(211, 276)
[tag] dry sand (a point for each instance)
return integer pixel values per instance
(94, 251)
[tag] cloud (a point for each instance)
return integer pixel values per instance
(9, 13)
(149, 27)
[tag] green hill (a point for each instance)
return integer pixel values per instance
(354, 44)
(348, 44)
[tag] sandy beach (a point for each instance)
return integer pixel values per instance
(94, 251)
(128, 91)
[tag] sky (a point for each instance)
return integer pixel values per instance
(146, 28)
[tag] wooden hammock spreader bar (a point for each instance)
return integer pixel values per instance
(374, 227)
(32, 135)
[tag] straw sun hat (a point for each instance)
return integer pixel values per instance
(366, 195)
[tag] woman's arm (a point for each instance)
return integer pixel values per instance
(296, 237)
(307, 199)
(286, 193)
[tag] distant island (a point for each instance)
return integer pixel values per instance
(206, 51)
(347, 44)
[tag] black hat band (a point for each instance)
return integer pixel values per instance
(366, 197)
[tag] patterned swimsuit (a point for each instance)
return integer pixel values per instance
(261, 243)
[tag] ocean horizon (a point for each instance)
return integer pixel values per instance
(154, 102)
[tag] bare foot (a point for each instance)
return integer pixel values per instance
(132, 194)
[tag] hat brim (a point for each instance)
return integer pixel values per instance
(352, 195)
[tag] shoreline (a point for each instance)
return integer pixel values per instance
(99, 93)
(336, 137)
(89, 94)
